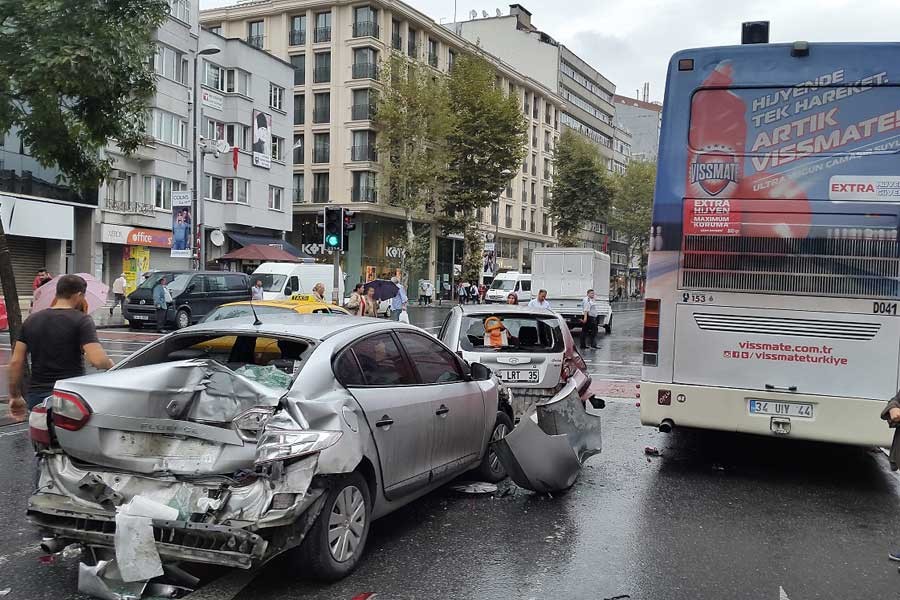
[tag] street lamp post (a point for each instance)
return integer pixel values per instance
(198, 155)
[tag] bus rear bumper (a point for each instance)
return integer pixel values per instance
(855, 421)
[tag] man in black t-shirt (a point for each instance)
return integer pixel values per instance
(55, 339)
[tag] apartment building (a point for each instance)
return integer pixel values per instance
(337, 49)
(588, 95)
(643, 120)
(246, 203)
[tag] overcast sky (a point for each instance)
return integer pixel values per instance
(630, 41)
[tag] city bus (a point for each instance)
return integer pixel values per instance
(773, 278)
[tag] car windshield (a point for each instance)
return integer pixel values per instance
(507, 285)
(150, 282)
(271, 282)
(179, 283)
(243, 310)
(511, 333)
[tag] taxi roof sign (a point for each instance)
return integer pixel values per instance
(305, 298)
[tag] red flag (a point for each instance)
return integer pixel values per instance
(234, 157)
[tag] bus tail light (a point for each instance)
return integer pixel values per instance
(651, 332)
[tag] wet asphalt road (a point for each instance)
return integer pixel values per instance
(715, 516)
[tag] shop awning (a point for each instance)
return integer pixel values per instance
(247, 239)
(261, 253)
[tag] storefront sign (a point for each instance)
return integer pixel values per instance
(182, 240)
(212, 100)
(394, 252)
(135, 236)
(33, 218)
(312, 249)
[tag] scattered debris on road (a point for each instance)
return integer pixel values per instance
(652, 451)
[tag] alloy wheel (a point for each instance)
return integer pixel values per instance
(346, 524)
(500, 431)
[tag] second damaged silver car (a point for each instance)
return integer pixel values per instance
(229, 443)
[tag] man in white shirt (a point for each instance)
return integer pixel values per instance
(541, 301)
(257, 291)
(118, 288)
(590, 312)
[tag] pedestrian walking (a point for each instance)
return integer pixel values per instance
(590, 312)
(398, 302)
(541, 301)
(56, 340)
(319, 292)
(461, 292)
(512, 298)
(429, 293)
(482, 292)
(39, 279)
(369, 303)
(162, 297)
(356, 301)
(257, 292)
(118, 288)
(473, 293)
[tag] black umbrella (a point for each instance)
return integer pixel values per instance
(384, 289)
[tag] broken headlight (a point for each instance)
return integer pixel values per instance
(281, 444)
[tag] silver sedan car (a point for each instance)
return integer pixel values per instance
(231, 442)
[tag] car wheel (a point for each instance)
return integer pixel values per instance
(491, 469)
(608, 327)
(182, 319)
(337, 539)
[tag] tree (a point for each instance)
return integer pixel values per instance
(413, 122)
(486, 145)
(632, 208)
(74, 75)
(582, 191)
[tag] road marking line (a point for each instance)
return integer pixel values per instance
(15, 432)
(782, 595)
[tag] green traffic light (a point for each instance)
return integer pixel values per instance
(332, 240)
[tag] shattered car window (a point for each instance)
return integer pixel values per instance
(520, 333)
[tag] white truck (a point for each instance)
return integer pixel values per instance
(567, 274)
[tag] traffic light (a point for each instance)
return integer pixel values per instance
(334, 225)
(349, 225)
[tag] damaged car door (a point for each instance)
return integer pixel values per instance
(400, 417)
(457, 403)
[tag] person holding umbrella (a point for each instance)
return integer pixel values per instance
(370, 303)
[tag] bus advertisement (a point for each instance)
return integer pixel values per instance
(773, 278)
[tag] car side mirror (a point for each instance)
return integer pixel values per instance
(190, 288)
(288, 291)
(480, 372)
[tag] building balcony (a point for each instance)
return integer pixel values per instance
(257, 41)
(321, 35)
(363, 153)
(322, 114)
(297, 38)
(365, 71)
(363, 112)
(365, 29)
(364, 194)
(320, 195)
(322, 75)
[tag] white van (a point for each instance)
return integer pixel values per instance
(510, 281)
(281, 280)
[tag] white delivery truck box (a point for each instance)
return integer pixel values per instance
(567, 274)
(282, 280)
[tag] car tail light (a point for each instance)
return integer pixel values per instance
(38, 427)
(250, 423)
(70, 411)
(282, 444)
(651, 332)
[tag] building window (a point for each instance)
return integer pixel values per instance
(226, 189)
(321, 148)
(363, 148)
(548, 113)
(277, 148)
(433, 52)
(158, 191)
(320, 188)
(238, 136)
(534, 165)
(546, 195)
(256, 34)
(365, 22)
(585, 82)
(536, 109)
(396, 38)
(322, 107)
(546, 168)
(237, 82)
(298, 149)
(323, 27)
(412, 43)
(512, 89)
(363, 105)
(524, 191)
(531, 227)
(364, 189)
(586, 130)
(548, 139)
(534, 136)
(587, 106)
(167, 128)
(509, 190)
(180, 9)
(322, 73)
(533, 193)
(526, 106)
(299, 63)
(365, 63)
(545, 229)
(297, 35)
(451, 60)
(299, 109)
(215, 130)
(214, 76)
(215, 188)
(298, 188)
(170, 64)
(495, 212)
(508, 216)
(276, 97)
(275, 197)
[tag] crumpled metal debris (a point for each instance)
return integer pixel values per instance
(544, 453)
(135, 545)
(104, 581)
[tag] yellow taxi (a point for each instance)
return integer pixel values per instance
(302, 304)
